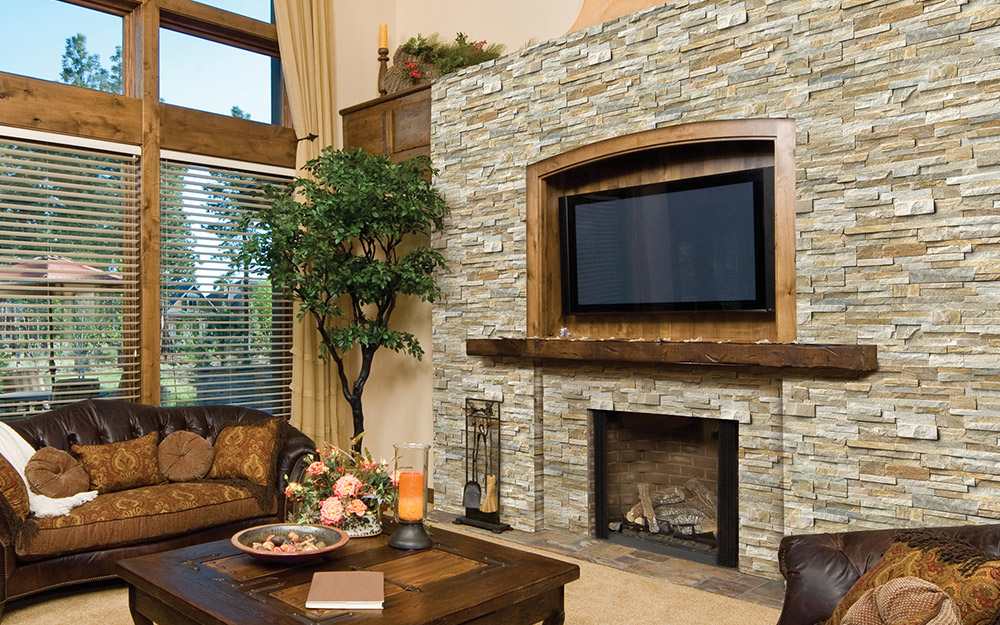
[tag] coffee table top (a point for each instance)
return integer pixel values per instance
(458, 579)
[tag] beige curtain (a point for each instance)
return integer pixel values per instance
(305, 38)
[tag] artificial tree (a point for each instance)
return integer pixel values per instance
(335, 239)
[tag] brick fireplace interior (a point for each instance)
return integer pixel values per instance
(667, 483)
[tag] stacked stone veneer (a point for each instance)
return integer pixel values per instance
(897, 110)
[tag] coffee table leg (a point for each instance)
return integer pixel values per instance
(555, 619)
(137, 617)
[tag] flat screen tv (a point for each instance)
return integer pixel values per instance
(697, 244)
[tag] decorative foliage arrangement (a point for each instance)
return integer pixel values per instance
(334, 240)
(448, 57)
(340, 488)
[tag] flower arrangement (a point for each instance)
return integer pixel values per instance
(343, 488)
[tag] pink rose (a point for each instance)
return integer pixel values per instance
(293, 490)
(347, 486)
(357, 507)
(317, 468)
(331, 511)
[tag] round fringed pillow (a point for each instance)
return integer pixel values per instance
(55, 473)
(185, 456)
(904, 601)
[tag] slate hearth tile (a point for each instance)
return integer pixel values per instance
(650, 556)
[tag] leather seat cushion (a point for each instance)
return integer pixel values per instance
(131, 516)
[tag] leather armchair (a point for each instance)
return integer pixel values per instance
(819, 569)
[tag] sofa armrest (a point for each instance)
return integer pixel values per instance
(819, 569)
(291, 462)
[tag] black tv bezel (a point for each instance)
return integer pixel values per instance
(763, 218)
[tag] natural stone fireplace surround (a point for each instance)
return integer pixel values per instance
(897, 228)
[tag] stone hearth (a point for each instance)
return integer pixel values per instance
(898, 230)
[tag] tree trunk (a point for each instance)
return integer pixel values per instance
(358, 417)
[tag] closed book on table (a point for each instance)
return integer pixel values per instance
(346, 590)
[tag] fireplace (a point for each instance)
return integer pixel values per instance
(667, 484)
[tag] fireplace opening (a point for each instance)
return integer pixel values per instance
(667, 484)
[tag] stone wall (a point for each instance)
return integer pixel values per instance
(898, 224)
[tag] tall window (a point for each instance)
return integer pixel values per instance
(68, 274)
(61, 42)
(226, 334)
(209, 76)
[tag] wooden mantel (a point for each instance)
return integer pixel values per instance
(858, 358)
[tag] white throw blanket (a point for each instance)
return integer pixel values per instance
(17, 451)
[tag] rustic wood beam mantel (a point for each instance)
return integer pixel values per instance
(859, 358)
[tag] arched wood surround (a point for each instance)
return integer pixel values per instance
(659, 155)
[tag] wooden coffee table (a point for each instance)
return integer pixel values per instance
(460, 579)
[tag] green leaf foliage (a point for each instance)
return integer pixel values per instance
(449, 57)
(346, 241)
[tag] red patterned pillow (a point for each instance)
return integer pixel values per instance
(247, 452)
(122, 465)
(970, 577)
(13, 489)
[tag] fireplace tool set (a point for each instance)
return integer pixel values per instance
(481, 494)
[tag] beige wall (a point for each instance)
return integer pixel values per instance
(397, 398)
(512, 23)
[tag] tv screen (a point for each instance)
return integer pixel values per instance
(697, 244)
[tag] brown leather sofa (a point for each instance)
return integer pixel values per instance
(103, 421)
(819, 569)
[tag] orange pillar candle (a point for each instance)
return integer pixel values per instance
(411, 496)
(383, 35)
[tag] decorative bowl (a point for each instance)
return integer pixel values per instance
(334, 538)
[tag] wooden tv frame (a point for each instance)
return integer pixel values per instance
(659, 155)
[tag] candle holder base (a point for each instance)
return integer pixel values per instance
(383, 60)
(410, 536)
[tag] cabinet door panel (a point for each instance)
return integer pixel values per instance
(366, 130)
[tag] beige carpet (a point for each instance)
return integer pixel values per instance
(602, 596)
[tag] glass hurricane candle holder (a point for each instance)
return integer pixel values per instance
(411, 502)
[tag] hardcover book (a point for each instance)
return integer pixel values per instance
(346, 590)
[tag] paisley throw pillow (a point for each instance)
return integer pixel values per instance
(246, 451)
(122, 465)
(13, 489)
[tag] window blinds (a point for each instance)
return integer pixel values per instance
(226, 334)
(68, 274)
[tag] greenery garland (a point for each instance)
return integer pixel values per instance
(449, 57)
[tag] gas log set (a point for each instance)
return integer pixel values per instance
(676, 516)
